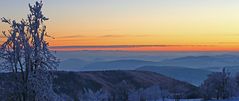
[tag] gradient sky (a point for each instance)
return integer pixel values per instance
(211, 25)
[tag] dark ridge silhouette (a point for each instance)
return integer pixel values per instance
(70, 83)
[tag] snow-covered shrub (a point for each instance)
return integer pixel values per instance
(152, 93)
(89, 95)
(219, 85)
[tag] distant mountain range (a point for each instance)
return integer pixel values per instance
(203, 61)
(192, 69)
(193, 76)
(118, 65)
(72, 64)
(200, 62)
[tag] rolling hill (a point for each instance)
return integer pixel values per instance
(71, 83)
(117, 65)
(203, 61)
(199, 62)
(73, 64)
(193, 76)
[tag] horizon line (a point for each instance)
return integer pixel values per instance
(148, 48)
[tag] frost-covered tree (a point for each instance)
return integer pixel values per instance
(137, 95)
(153, 93)
(237, 83)
(25, 54)
(237, 79)
(89, 95)
(219, 85)
(122, 91)
(178, 92)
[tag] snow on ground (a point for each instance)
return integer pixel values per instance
(232, 99)
(181, 100)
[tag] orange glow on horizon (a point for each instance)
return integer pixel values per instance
(159, 48)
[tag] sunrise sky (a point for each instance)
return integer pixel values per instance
(136, 25)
